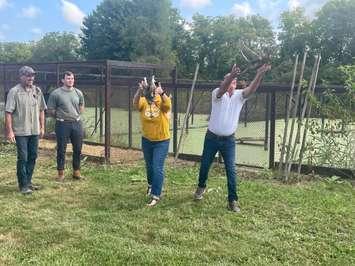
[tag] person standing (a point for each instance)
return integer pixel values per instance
(227, 103)
(154, 107)
(24, 122)
(66, 105)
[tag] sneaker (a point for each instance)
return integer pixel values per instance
(76, 175)
(34, 187)
(199, 193)
(60, 176)
(149, 190)
(59, 179)
(26, 191)
(153, 201)
(233, 206)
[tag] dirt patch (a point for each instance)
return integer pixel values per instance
(117, 155)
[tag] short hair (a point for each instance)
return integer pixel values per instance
(226, 75)
(67, 73)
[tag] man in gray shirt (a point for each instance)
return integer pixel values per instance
(66, 104)
(24, 121)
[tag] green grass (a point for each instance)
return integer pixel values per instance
(103, 220)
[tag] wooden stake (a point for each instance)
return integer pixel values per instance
(288, 111)
(295, 112)
(307, 118)
(187, 112)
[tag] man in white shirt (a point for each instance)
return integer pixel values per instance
(227, 103)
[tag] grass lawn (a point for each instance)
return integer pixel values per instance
(103, 220)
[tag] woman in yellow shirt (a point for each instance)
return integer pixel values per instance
(154, 107)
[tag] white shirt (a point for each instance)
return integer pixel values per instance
(225, 112)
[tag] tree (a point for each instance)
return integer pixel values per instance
(14, 52)
(57, 46)
(295, 33)
(135, 30)
(217, 41)
(182, 48)
(334, 29)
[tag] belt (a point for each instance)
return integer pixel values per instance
(63, 120)
(213, 135)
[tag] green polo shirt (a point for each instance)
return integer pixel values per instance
(25, 106)
(66, 103)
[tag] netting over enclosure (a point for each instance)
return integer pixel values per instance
(110, 119)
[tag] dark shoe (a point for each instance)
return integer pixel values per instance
(233, 206)
(26, 191)
(34, 187)
(199, 193)
(153, 201)
(149, 190)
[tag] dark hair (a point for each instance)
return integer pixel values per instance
(67, 73)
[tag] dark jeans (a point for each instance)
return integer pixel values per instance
(64, 131)
(27, 147)
(155, 153)
(226, 146)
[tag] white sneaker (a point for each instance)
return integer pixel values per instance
(153, 201)
(199, 193)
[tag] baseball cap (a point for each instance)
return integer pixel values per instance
(26, 71)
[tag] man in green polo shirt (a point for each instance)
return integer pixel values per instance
(66, 104)
(24, 121)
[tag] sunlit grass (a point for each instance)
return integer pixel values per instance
(103, 220)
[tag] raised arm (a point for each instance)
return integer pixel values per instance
(138, 94)
(166, 101)
(228, 80)
(253, 86)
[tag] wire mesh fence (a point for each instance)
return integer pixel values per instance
(110, 119)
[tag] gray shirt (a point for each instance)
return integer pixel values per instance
(66, 103)
(25, 106)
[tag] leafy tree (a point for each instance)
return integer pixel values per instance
(14, 52)
(334, 29)
(295, 33)
(217, 41)
(135, 30)
(182, 48)
(57, 46)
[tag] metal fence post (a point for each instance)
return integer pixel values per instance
(245, 113)
(130, 116)
(267, 120)
(108, 111)
(175, 110)
(272, 130)
(57, 73)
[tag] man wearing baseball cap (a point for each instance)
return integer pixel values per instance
(24, 121)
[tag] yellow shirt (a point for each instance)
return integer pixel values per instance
(155, 118)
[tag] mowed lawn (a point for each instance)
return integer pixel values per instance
(103, 220)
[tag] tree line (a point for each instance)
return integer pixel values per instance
(153, 31)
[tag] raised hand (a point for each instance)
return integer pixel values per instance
(235, 71)
(159, 89)
(263, 69)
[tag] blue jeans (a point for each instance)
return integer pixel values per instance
(65, 131)
(226, 146)
(27, 147)
(155, 153)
